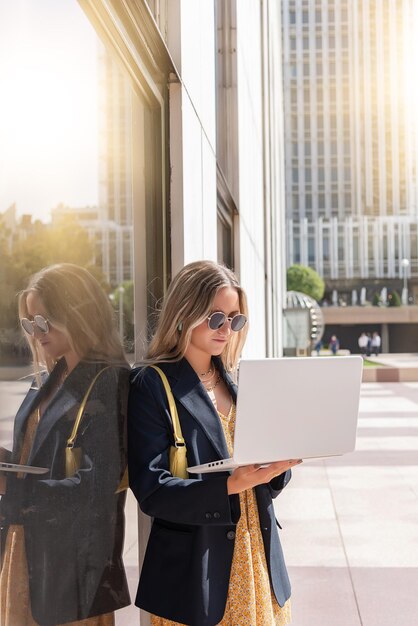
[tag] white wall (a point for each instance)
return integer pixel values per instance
(191, 37)
(191, 42)
(250, 157)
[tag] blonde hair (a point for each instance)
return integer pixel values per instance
(187, 304)
(76, 305)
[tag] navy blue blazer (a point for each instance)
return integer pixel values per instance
(74, 527)
(186, 570)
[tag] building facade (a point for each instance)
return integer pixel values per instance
(351, 139)
(205, 161)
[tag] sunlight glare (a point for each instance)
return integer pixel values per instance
(48, 121)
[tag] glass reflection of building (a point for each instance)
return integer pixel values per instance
(115, 233)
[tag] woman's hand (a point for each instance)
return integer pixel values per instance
(250, 476)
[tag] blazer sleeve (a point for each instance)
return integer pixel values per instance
(159, 493)
(276, 485)
(102, 440)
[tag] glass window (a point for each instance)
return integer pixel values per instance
(225, 241)
(85, 126)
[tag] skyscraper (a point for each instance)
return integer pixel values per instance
(351, 148)
(115, 231)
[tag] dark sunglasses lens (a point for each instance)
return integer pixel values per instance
(238, 322)
(41, 323)
(216, 321)
(26, 325)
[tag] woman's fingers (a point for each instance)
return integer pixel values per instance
(264, 475)
(252, 475)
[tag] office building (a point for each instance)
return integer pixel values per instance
(351, 147)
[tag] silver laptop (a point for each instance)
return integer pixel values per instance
(293, 408)
(27, 469)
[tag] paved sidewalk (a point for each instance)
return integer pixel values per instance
(350, 526)
(402, 359)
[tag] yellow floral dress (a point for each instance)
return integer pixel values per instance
(250, 600)
(15, 609)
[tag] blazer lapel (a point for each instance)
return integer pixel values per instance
(68, 396)
(29, 404)
(59, 406)
(190, 392)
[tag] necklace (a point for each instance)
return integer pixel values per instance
(217, 381)
(210, 370)
(208, 380)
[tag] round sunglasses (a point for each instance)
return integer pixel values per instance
(217, 320)
(38, 323)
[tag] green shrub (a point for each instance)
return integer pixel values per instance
(377, 300)
(394, 299)
(306, 280)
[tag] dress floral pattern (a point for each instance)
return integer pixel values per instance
(250, 600)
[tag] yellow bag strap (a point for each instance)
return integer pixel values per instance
(178, 435)
(72, 437)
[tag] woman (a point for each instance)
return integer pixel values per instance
(64, 529)
(214, 555)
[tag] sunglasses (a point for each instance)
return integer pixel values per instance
(217, 320)
(38, 323)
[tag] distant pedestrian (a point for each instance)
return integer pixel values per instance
(376, 344)
(334, 345)
(369, 344)
(318, 347)
(362, 343)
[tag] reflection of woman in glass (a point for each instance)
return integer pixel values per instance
(214, 554)
(62, 558)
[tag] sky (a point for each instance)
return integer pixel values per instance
(48, 106)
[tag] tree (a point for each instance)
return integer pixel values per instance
(306, 280)
(128, 311)
(63, 242)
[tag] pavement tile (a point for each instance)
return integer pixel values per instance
(323, 596)
(314, 544)
(386, 596)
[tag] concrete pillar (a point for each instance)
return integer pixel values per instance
(385, 338)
